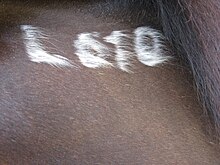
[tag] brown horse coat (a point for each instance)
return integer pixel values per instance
(79, 115)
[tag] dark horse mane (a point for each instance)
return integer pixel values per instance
(193, 28)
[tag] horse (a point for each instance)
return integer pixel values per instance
(109, 82)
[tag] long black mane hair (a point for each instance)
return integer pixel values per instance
(193, 28)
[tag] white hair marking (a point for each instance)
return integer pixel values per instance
(124, 48)
(149, 46)
(91, 52)
(36, 50)
(145, 43)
